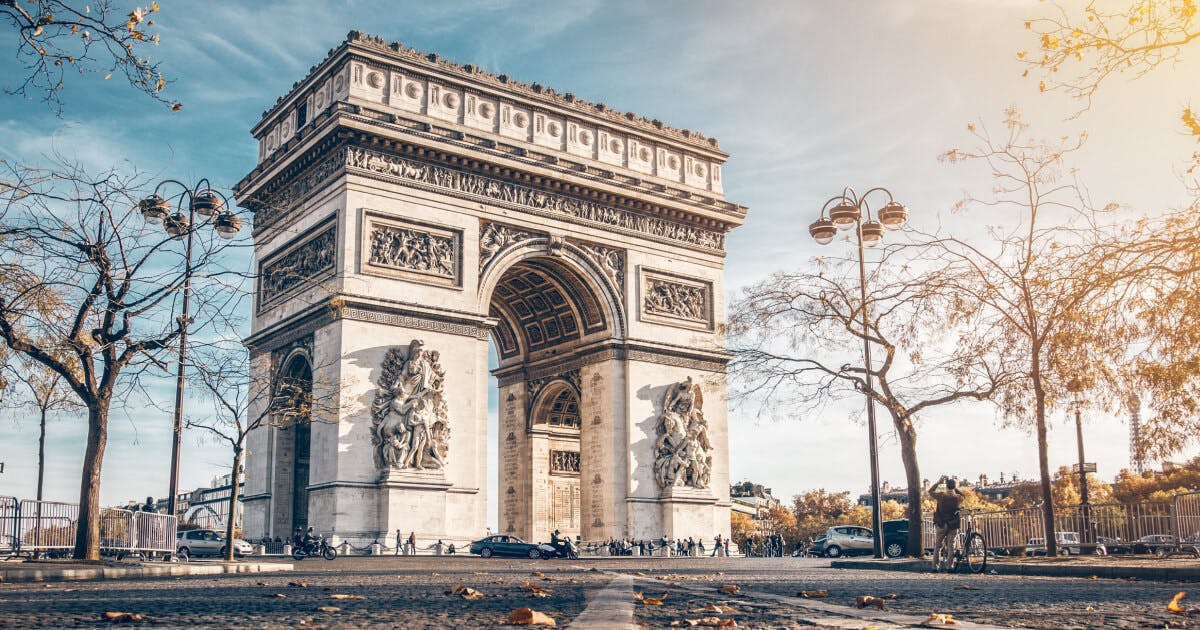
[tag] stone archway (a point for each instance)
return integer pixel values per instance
(291, 444)
(409, 212)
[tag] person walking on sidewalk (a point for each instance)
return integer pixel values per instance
(946, 520)
(399, 541)
(412, 543)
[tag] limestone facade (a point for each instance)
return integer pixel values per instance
(400, 197)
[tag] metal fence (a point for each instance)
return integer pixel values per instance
(1123, 522)
(45, 526)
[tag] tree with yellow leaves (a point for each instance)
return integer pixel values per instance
(1078, 50)
(91, 37)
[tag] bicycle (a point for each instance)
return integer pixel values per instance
(970, 549)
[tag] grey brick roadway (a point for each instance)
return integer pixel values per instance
(411, 593)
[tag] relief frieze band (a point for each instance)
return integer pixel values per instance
(564, 462)
(525, 198)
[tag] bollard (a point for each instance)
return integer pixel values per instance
(259, 550)
(376, 549)
(287, 550)
(344, 548)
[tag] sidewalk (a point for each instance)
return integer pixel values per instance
(67, 570)
(1163, 569)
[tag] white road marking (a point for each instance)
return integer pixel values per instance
(610, 609)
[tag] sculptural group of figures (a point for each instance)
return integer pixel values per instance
(410, 427)
(681, 453)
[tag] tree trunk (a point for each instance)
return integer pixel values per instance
(1039, 394)
(912, 472)
(41, 456)
(87, 527)
(233, 499)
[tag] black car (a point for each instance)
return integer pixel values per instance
(895, 537)
(501, 545)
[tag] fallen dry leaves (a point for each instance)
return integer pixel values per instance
(718, 609)
(530, 617)
(538, 574)
(345, 596)
(967, 587)
(705, 621)
(1174, 606)
(731, 589)
(865, 601)
(298, 584)
(940, 619)
(813, 594)
(122, 617)
(277, 595)
(649, 601)
(329, 609)
(537, 591)
(465, 592)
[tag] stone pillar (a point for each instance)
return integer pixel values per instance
(604, 450)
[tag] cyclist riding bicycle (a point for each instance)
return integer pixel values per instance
(946, 520)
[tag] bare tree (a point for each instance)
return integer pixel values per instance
(47, 392)
(245, 399)
(1038, 281)
(55, 37)
(88, 292)
(790, 332)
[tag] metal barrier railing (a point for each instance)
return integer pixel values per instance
(9, 515)
(1117, 524)
(41, 526)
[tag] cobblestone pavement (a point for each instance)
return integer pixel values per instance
(411, 593)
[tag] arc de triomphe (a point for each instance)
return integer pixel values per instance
(409, 212)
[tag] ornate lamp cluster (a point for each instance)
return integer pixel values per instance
(850, 210)
(202, 200)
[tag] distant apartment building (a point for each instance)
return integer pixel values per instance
(989, 489)
(755, 501)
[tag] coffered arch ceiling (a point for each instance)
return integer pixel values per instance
(543, 306)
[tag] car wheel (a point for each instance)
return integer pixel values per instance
(534, 554)
(1066, 551)
(183, 554)
(486, 552)
(833, 552)
(895, 550)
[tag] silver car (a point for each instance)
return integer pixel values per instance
(844, 540)
(207, 542)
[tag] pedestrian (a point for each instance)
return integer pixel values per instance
(716, 546)
(150, 505)
(700, 545)
(437, 548)
(726, 547)
(412, 543)
(691, 547)
(399, 542)
(450, 549)
(945, 520)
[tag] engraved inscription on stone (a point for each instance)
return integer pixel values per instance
(411, 250)
(676, 300)
(682, 452)
(564, 462)
(297, 266)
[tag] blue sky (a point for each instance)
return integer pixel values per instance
(806, 96)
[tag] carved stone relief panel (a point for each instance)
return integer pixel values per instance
(411, 250)
(494, 237)
(410, 424)
(297, 265)
(564, 462)
(676, 300)
(682, 450)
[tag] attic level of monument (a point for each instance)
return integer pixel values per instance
(399, 95)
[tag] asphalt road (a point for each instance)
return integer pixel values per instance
(412, 593)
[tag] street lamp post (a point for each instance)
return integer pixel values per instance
(213, 207)
(1084, 504)
(849, 211)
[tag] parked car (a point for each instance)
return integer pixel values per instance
(1114, 545)
(847, 540)
(194, 543)
(1068, 544)
(895, 537)
(502, 545)
(1155, 543)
